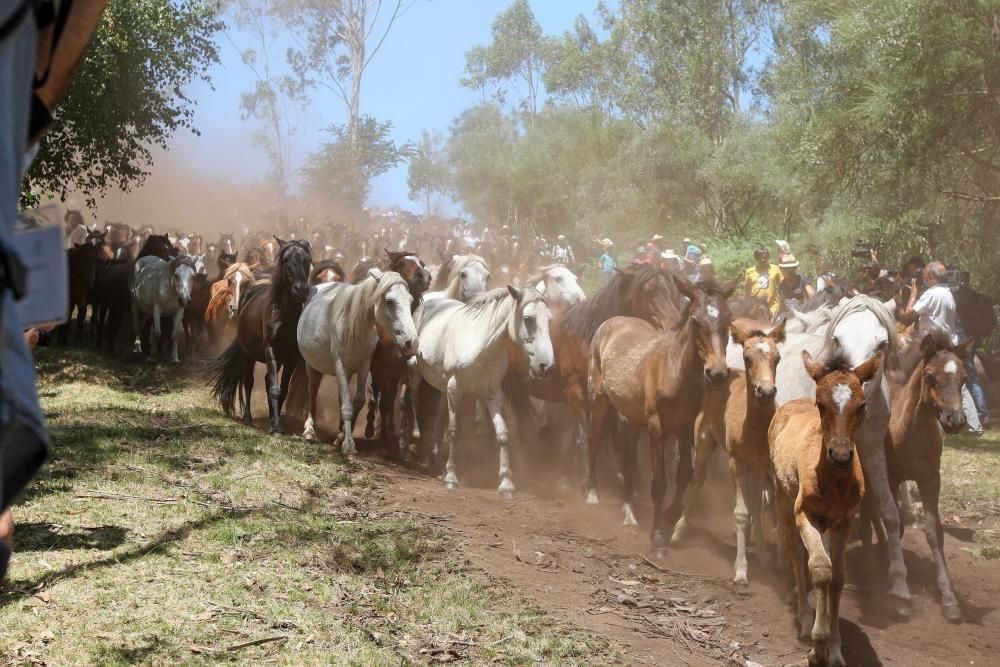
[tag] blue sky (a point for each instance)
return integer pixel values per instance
(413, 81)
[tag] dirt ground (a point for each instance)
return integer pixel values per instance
(578, 563)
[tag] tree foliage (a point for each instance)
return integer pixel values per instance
(340, 174)
(429, 175)
(127, 97)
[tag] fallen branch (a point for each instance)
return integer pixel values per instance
(258, 642)
(107, 495)
(675, 573)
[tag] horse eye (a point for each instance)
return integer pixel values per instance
(883, 344)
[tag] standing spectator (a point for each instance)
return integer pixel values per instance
(561, 252)
(76, 231)
(656, 244)
(692, 262)
(761, 279)
(974, 312)
(642, 255)
(607, 261)
(706, 270)
(669, 260)
(793, 289)
(936, 309)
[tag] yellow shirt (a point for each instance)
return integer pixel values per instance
(763, 285)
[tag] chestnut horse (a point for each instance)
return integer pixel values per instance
(266, 333)
(224, 303)
(655, 379)
(737, 416)
(819, 485)
(931, 400)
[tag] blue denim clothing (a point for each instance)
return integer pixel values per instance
(22, 427)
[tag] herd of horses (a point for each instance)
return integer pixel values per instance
(823, 415)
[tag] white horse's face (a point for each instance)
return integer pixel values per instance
(182, 280)
(532, 336)
(393, 314)
(561, 288)
(473, 281)
(199, 265)
(860, 337)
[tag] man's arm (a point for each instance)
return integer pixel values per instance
(910, 313)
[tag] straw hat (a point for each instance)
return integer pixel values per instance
(605, 242)
(669, 254)
(786, 259)
(561, 237)
(656, 237)
(705, 261)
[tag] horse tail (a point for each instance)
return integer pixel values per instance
(226, 372)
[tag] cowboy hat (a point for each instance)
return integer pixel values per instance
(669, 254)
(656, 237)
(787, 261)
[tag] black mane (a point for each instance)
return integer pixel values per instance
(583, 318)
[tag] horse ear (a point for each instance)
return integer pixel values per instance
(813, 367)
(965, 350)
(684, 286)
(928, 346)
(777, 332)
(728, 288)
(514, 292)
(739, 334)
(280, 242)
(867, 370)
(393, 255)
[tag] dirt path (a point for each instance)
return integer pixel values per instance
(578, 564)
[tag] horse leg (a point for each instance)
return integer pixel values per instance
(600, 406)
(930, 489)
(454, 398)
(81, 318)
(877, 484)
(286, 377)
(494, 404)
(360, 392)
(346, 436)
(754, 498)
(741, 516)
(313, 378)
(906, 516)
(273, 389)
(630, 470)
(821, 573)
(386, 409)
(371, 399)
(155, 332)
(405, 416)
(658, 485)
(178, 319)
(685, 447)
(839, 536)
(706, 446)
(414, 394)
(136, 329)
(248, 369)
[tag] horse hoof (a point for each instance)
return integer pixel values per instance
(451, 486)
(592, 498)
(902, 606)
(681, 530)
(629, 520)
(741, 580)
(952, 613)
(277, 431)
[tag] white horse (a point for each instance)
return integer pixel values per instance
(560, 287)
(463, 352)
(461, 278)
(859, 329)
(160, 288)
(337, 336)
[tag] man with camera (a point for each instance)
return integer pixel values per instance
(761, 280)
(935, 307)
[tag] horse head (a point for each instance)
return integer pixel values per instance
(840, 399)
(530, 330)
(411, 268)
(709, 318)
(238, 277)
(859, 329)
(199, 265)
(293, 262)
(472, 279)
(760, 355)
(561, 288)
(182, 273)
(393, 310)
(943, 378)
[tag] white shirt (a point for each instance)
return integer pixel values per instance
(936, 307)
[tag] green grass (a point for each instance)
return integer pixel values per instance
(162, 533)
(969, 480)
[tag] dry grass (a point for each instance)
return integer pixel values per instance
(162, 533)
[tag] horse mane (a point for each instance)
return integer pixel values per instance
(830, 295)
(911, 358)
(860, 304)
(493, 309)
(582, 319)
(357, 299)
(149, 248)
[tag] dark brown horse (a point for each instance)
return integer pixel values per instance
(85, 260)
(266, 333)
(655, 380)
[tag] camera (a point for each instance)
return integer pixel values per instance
(861, 248)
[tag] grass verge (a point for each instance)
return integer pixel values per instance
(161, 532)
